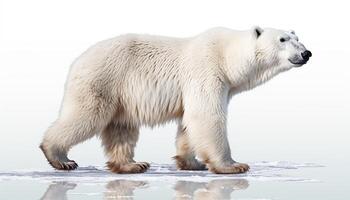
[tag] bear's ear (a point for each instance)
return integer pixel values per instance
(257, 31)
(291, 32)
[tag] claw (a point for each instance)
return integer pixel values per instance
(232, 169)
(138, 167)
(142, 166)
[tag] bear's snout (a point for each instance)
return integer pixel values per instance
(306, 55)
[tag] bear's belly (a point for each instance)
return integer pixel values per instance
(151, 105)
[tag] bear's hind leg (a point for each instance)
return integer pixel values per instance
(185, 158)
(119, 142)
(70, 129)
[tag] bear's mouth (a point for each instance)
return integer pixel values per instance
(298, 63)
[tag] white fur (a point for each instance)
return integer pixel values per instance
(134, 80)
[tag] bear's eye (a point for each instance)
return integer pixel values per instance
(282, 39)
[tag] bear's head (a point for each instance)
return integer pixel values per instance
(279, 49)
(273, 51)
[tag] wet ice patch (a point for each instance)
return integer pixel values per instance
(286, 164)
(259, 171)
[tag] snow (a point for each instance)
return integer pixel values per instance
(259, 171)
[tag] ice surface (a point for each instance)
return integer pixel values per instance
(161, 181)
(260, 171)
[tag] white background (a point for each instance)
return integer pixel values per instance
(302, 115)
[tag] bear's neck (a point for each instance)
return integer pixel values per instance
(245, 69)
(249, 76)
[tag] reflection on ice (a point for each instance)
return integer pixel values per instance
(124, 189)
(216, 189)
(58, 191)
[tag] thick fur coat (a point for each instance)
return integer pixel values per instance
(128, 81)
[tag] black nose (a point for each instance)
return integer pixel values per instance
(306, 55)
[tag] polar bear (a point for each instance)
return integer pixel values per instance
(122, 83)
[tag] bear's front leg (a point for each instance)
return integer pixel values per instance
(205, 121)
